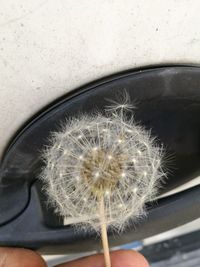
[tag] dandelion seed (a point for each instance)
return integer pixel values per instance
(143, 198)
(123, 174)
(77, 178)
(134, 160)
(107, 193)
(145, 173)
(158, 161)
(52, 166)
(121, 104)
(96, 175)
(135, 190)
(64, 152)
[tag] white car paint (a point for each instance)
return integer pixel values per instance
(48, 48)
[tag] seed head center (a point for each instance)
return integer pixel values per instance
(102, 170)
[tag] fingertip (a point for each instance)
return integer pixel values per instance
(20, 258)
(128, 258)
(120, 258)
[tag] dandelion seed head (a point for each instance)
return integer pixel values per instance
(124, 167)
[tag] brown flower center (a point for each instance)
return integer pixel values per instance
(102, 170)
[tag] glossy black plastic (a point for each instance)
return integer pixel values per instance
(168, 103)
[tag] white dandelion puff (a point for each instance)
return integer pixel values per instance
(101, 170)
(128, 160)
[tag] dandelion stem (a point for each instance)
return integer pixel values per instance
(104, 235)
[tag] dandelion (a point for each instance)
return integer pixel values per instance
(105, 169)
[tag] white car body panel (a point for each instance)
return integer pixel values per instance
(48, 48)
